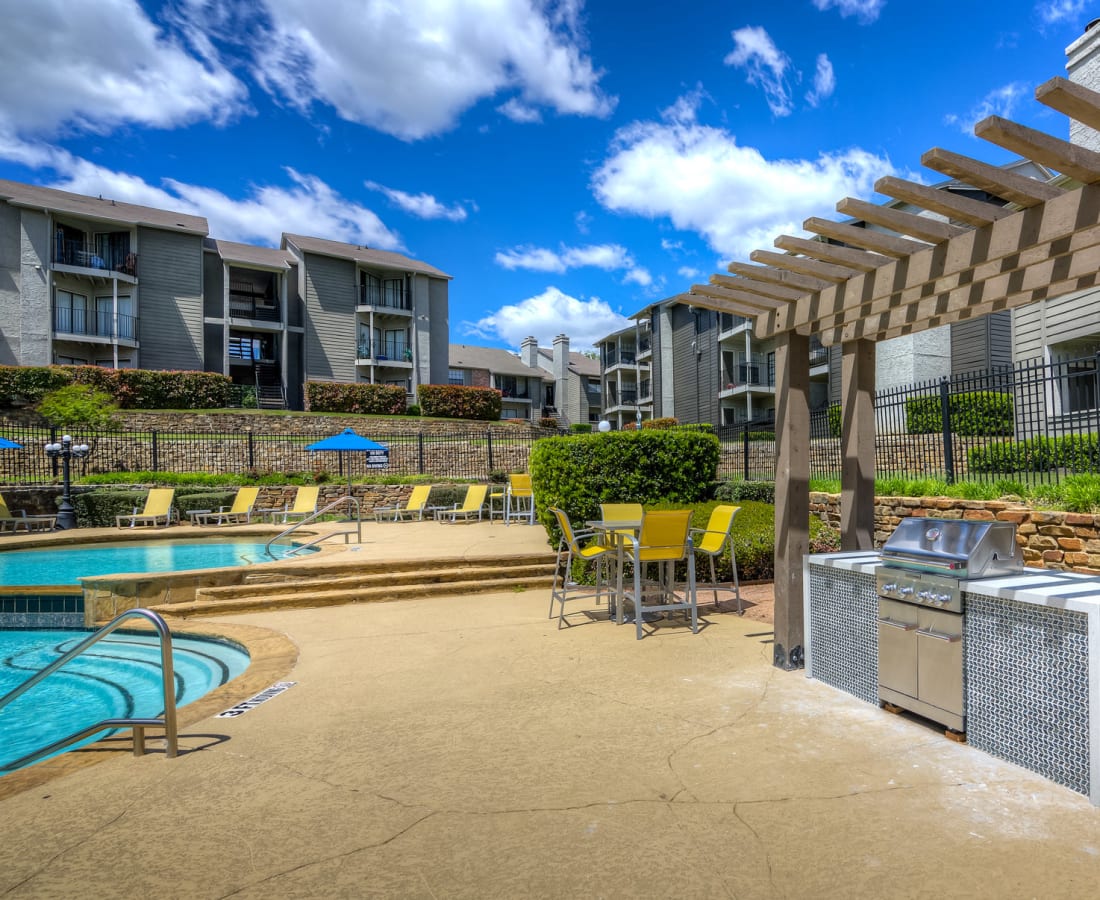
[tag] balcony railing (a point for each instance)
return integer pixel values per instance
(629, 397)
(77, 253)
(93, 323)
(385, 350)
(257, 310)
(386, 296)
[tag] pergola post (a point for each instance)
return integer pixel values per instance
(857, 438)
(792, 493)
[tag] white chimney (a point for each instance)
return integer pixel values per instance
(529, 352)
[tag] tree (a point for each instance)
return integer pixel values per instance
(78, 405)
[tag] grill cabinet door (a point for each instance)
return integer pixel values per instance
(897, 646)
(940, 645)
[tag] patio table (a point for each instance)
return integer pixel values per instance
(617, 532)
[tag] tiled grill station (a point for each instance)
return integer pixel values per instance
(1031, 659)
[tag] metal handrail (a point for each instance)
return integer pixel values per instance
(167, 722)
(313, 517)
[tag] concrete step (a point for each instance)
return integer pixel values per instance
(349, 580)
(312, 596)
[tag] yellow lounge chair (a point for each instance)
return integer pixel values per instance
(520, 502)
(414, 507)
(8, 522)
(304, 505)
(237, 514)
(471, 506)
(158, 510)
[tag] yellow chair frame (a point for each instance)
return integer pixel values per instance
(665, 539)
(712, 541)
(574, 545)
(158, 510)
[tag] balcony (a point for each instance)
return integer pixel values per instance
(389, 295)
(819, 355)
(389, 352)
(244, 304)
(94, 324)
(80, 255)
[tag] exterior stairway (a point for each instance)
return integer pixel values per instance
(269, 387)
(362, 581)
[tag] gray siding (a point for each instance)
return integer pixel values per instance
(34, 258)
(330, 339)
(213, 282)
(697, 371)
(10, 279)
(170, 300)
(439, 322)
(981, 342)
(1068, 318)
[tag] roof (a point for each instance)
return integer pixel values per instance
(579, 364)
(34, 196)
(367, 256)
(250, 255)
(492, 359)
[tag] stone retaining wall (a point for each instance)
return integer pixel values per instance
(1049, 539)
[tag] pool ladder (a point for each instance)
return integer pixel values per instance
(167, 721)
(346, 500)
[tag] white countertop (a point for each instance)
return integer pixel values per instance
(1040, 587)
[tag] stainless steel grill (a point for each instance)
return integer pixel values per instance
(920, 623)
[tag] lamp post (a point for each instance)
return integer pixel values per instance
(66, 517)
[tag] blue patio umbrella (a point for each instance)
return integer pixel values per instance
(5, 444)
(348, 441)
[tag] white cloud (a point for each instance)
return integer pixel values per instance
(304, 205)
(518, 111)
(864, 10)
(1000, 102)
(689, 272)
(670, 246)
(1054, 11)
(422, 205)
(548, 314)
(95, 66)
(701, 180)
(824, 81)
(583, 222)
(410, 69)
(765, 64)
(609, 257)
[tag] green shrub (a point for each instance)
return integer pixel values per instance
(454, 401)
(579, 472)
(735, 491)
(212, 500)
(29, 384)
(361, 399)
(762, 436)
(666, 422)
(97, 509)
(581, 428)
(972, 413)
(834, 415)
(413, 410)
(548, 422)
(130, 388)
(1076, 452)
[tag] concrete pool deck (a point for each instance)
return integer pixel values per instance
(465, 747)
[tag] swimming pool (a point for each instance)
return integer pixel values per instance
(120, 676)
(66, 565)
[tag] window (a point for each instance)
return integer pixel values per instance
(123, 363)
(104, 314)
(396, 343)
(456, 376)
(71, 313)
(69, 360)
(370, 290)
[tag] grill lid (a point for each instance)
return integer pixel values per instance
(962, 548)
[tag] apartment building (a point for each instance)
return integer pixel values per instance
(574, 395)
(93, 281)
(523, 388)
(625, 365)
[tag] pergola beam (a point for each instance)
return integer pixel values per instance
(802, 265)
(737, 302)
(858, 260)
(946, 203)
(1075, 100)
(1018, 189)
(792, 282)
(853, 235)
(1069, 159)
(922, 228)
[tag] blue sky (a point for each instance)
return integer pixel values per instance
(567, 162)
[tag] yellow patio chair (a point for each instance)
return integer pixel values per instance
(574, 545)
(712, 541)
(158, 510)
(304, 505)
(414, 507)
(239, 513)
(665, 539)
(623, 512)
(472, 506)
(14, 523)
(520, 499)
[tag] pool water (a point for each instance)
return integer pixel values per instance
(65, 565)
(118, 677)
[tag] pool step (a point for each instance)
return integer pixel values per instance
(352, 585)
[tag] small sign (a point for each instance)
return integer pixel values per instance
(378, 459)
(262, 697)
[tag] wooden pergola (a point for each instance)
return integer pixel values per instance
(859, 285)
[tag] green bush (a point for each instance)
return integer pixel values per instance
(548, 422)
(130, 388)
(834, 415)
(579, 472)
(97, 509)
(581, 428)
(212, 500)
(361, 399)
(762, 436)
(972, 413)
(735, 491)
(1076, 452)
(666, 422)
(454, 401)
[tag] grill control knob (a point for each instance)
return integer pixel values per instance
(926, 596)
(890, 588)
(944, 598)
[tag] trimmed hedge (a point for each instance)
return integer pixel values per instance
(129, 388)
(972, 413)
(834, 415)
(455, 401)
(666, 422)
(735, 491)
(363, 399)
(1077, 452)
(581, 428)
(579, 472)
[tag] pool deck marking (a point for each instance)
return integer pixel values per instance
(252, 702)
